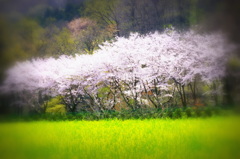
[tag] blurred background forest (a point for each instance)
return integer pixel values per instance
(50, 28)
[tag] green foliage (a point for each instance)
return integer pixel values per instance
(103, 90)
(57, 41)
(54, 106)
(60, 108)
(87, 34)
(234, 63)
(54, 101)
(22, 40)
(178, 113)
(101, 11)
(193, 19)
(189, 112)
(64, 43)
(168, 26)
(56, 111)
(66, 13)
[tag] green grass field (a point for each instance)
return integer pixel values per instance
(215, 137)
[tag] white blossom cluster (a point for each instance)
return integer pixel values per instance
(136, 64)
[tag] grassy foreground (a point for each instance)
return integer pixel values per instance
(215, 137)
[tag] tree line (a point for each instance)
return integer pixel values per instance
(159, 70)
(80, 28)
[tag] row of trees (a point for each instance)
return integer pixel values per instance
(156, 70)
(27, 39)
(79, 27)
(143, 16)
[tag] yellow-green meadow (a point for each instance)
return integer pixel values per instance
(214, 137)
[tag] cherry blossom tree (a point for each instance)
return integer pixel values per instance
(140, 70)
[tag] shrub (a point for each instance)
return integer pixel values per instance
(189, 112)
(54, 106)
(178, 113)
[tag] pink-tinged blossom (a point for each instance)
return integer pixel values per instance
(136, 61)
